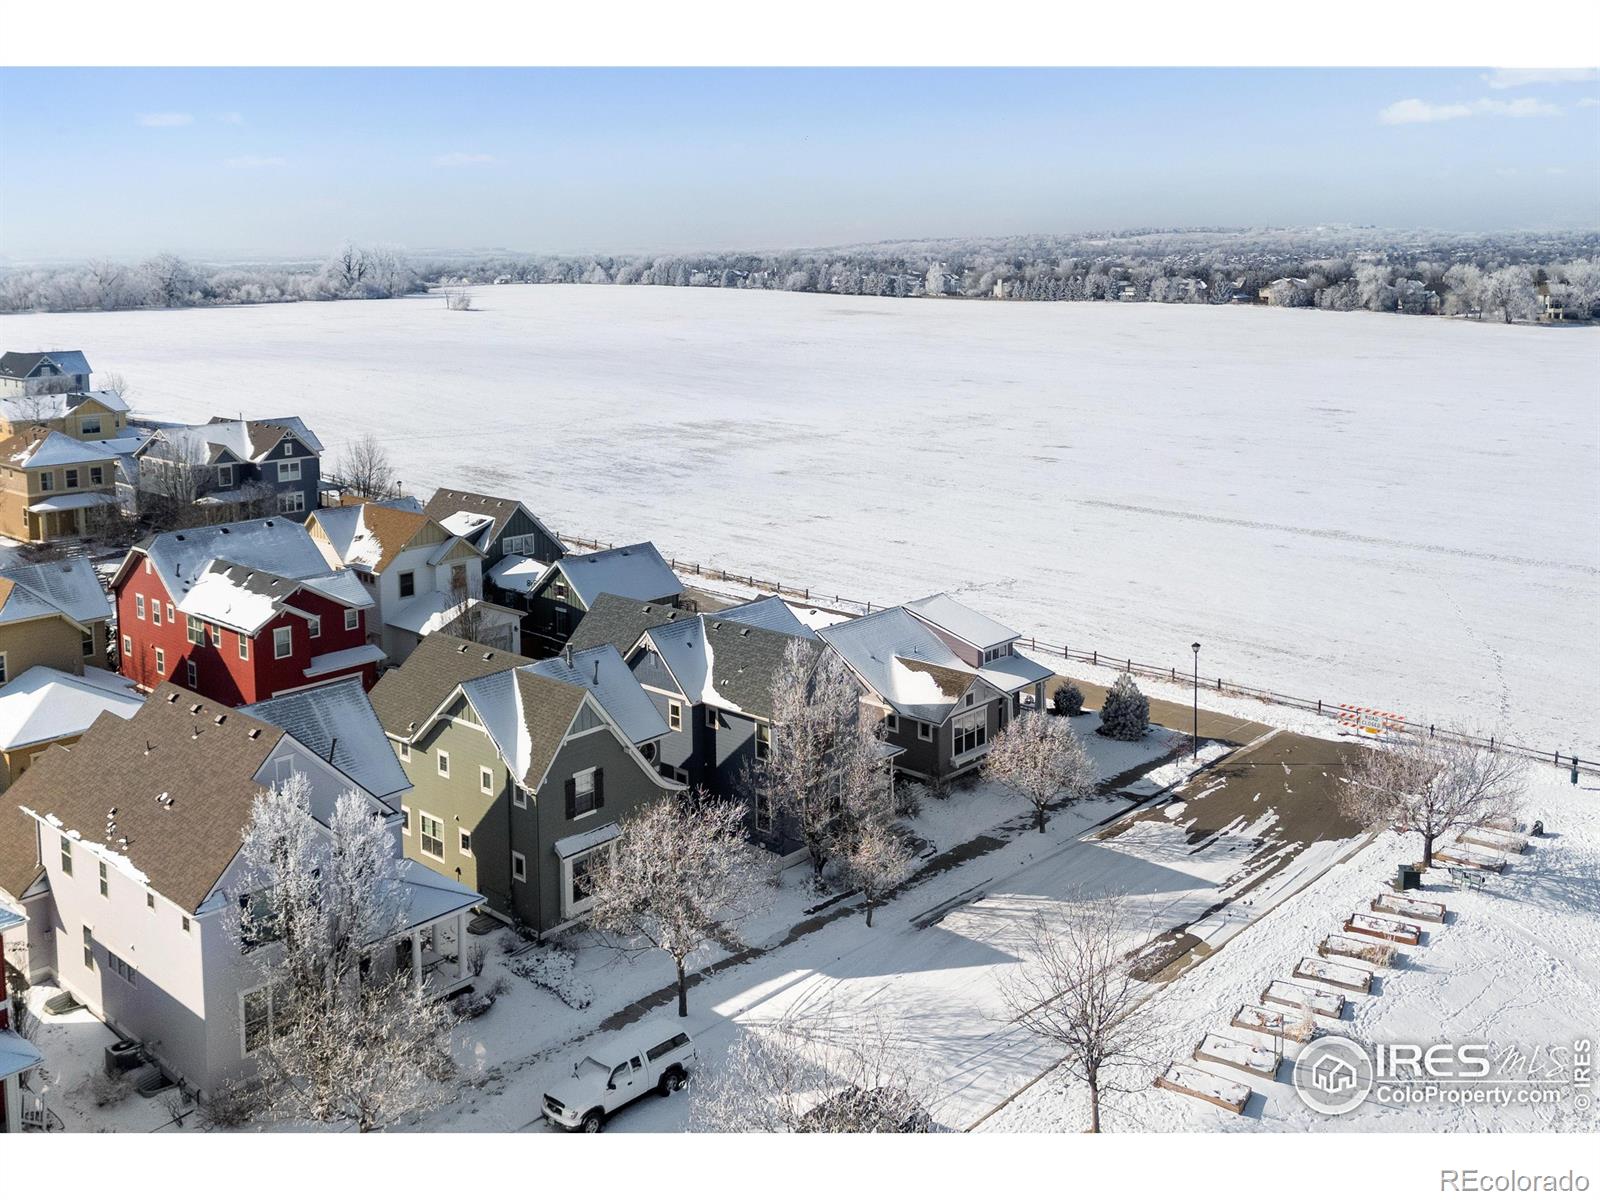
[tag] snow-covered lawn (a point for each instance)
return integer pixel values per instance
(1366, 508)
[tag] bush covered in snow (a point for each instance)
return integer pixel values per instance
(554, 968)
(1068, 700)
(1125, 714)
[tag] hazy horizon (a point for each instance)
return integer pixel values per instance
(270, 164)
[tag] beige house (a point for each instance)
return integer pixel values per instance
(87, 416)
(52, 614)
(45, 707)
(52, 485)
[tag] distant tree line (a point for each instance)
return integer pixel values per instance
(168, 281)
(1499, 276)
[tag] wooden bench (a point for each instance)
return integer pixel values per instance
(1203, 1085)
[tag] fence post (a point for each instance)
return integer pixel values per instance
(1491, 743)
(1096, 661)
(1319, 708)
(1130, 666)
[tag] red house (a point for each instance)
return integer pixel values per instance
(241, 613)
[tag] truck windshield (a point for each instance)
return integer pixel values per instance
(591, 1068)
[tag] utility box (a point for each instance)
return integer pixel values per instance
(1407, 878)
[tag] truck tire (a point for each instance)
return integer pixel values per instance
(672, 1080)
(593, 1121)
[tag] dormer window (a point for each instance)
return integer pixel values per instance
(225, 476)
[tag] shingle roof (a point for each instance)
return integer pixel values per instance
(724, 663)
(295, 426)
(409, 694)
(68, 584)
(369, 535)
(601, 672)
(338, 724)
(768, 612)
(18, 365)
(636, 571)
(968, 624)
(19, 846)
(618, 621)
(903, 661)
(39, 447)
(449, 501)
(174, 746)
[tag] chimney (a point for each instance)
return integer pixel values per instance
(597, 670)
(566, 652)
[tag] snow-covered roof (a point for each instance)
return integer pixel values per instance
(606, 677)
(577, 843)
(370, 535)
(426, 896)
(31, 449)
(44, 704)
(56, 405)
(950, 615)
(297, 427)
(248, 441)
(466, 524)
(517, 573)
(1012, 672)
(903, 661)
(637, 572)
(17, 1054)
(336, 722)
(274, 545)
(768, 612)
(68, 585)
(73, 501)
(343, 660)
(245, 598)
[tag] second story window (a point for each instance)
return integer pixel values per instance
(314, 626)
(674, 714)
(138, 606)
(352, 619)
(47, 481)
(763, 740)
(225, 476)
(72, 477)
(408, 584)
(97, 476)
(66, 857)
(197, 631)
(244, 646)
(289, 470)
(282, 643)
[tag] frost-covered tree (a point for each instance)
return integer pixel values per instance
(875, 860)
(1510, 292)
(816, 1069)
(1075, 986)
(1068, 700)
(352, 1037)
(1431, 786)
(680, 876)
(1042, 760)
(1125, 713)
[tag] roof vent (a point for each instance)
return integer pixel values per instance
(165, 799)
(172, 697)
(178, 536)
(716, 624)
(487, 655)
(194, 708)
(744, 633)
(255, 733)
(219, 718)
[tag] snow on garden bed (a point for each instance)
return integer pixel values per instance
(1495, 839)
(1203, 1085)
(1242, 1056)
(1351, 979)
(1409, 906)
(1297, 999)
(1335, 945)
(1403, 932)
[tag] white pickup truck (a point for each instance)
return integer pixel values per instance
(653, 1056)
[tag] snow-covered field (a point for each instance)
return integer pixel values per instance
(1369, 509)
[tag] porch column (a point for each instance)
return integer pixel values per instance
(461, 945)
(13, 1106)
(416, 958)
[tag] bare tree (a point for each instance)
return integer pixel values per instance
(364, 468)
(816, 1070)
(876, 860)
(678, 876)
(112, 381)
(464, 596)
(347, 1035)
(173, 475)
(1042, 760)
(1432, 786)
(1076, 987)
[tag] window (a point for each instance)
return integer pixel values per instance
(216, 634)
(674, 714)
(149, 899)
(711, 718)
(47, 481)
(971, 732)
(282, 642)
(444, 764)
(87, 644)
(458, 577)
(405, 751)
(4, 675)
(680, 774)
(583, 793)
(763, 740)
(519, 867)
(925, 731)
(89, 425)
(124, 970)
(405, 818)
(72, 477)
(291, 502)
(88, 947)
(66, 857)
(197, 631)
(138, 606)
(561, 591)
(519, 795)
(352, 619)
(408, 584)
(169, 613)
(891, 723)
(155, 611)
(486, 781)
(225, 475)
(432, 833)
(161, 661)
(127, 646)
(192, 672)
(185, 924)
(288, 470)
(667, 1047)
(244, 646)
(466, 842)
(763, 811)
(105, 882)
(576, 896)
(262, 1017)
(314, 626)
(97, 476)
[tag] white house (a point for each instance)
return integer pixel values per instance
(138, 831)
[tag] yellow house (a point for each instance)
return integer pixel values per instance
(51, 485)
(52, 614)
(44, 707)
(86, 416)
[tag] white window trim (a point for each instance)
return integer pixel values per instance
(244, 648)
(569, 910)
(464, 841)
(711, 718)
(314, 626)
(352, 619)
(403, 751)
(161, 661)
(891, 722)
(925, 731)
(519, 795)
(127, 645)
(978, 718)
(192, 671)
(285, 649)
(138, 605)
(426, 816)
(290, 476)
(674, 715)
(763, 744)
(486, 780)
(441, 760)
(589, 773)
(225, 475)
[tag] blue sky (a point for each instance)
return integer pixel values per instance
(285, 162)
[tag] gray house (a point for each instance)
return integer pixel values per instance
(497, 526)
(243, 468)
(946, 677)
(618, 621)
(43, 372)
(519, 775)
(561, 596)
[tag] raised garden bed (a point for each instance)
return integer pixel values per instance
(1273, 1023)
(1294, 996)
(1203, 1085)
(1336, 945)
(1407, 906)
(1351, 979)
(1242, 1056)
(1383, 927)
(1457, 855)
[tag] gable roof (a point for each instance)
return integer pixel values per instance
(337, 723)
(217, 439)
(618, 621)
(517, 573)
(638, 572)
(370, 535)
(16, 364)
(295, 426)
(451, 502)
(20, 409)
(40, 447)
(527, 716)
(68, 585)
(201, 756)
(44, 704)
(903, 661)
(270, 545)
(411, 693)
(972, 627)
(19, 847)
(725, 664)
(768, 612)
(601, 672)
(245, 598)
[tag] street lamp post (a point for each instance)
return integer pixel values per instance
(1196, 649)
